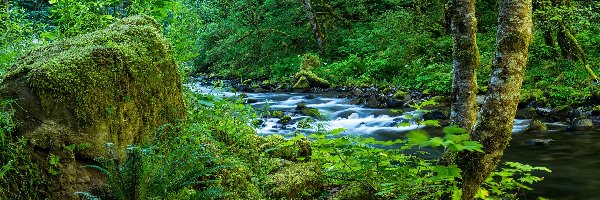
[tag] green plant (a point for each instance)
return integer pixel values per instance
(54, 162)
(20, 177)
(157, 171)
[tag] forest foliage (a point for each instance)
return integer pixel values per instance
(403, 43)
(386, 43)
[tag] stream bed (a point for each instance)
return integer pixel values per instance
(572, 155)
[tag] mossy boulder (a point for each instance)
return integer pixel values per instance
(296, 181)
(115, 85)
(302, 84)
(277, 146)
(277, 114)
(285, 120)
(237, 181)
(312, 112)
(401, 96)
(536, 126)
(305, 76)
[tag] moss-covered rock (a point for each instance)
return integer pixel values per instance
(536, 126)
(312, 79)
(237, 181)
(296, 181)
(277, 114)
(401, 96)
(302, 84)
(285, 120)
(114, 85)
(275, 146)
(313, 112)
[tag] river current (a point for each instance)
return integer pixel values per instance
(572, 155)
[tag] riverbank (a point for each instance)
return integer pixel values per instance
(584, 117)
(559, 147)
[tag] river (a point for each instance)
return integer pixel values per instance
(572, 156)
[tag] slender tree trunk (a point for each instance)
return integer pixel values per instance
(566, 46)
(576, 49)
(495, 120)
(549, 40)
(466, 59)
(312, 18)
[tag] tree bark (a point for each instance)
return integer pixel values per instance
(495, 120)
(465, 62)
(311, 16)
(569, 38)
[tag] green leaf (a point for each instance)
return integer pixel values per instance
(417, 137)
(337, 131)
(434, 123)
(54, 159)
(454, 130)
(473, 146)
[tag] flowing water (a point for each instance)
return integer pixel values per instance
(572, 156)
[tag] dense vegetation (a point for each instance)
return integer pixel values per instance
(216, 154)
(395, 43)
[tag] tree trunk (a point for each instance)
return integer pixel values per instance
(311, 16)
(495, 120)
(567, 48)
(466, 59)
(569, 38)
(549, 40)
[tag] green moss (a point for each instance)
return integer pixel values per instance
(296, 181)
(285, 119)
(310, 62)
(277, 114)
(313, 112)
(302, 83)
(114, 85)
(275, 147)
(312, 79)
(399, 95)
(237, 181)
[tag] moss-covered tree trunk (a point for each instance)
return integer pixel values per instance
(495, 120)
(574, 48)
(466, 59)
(314, 24)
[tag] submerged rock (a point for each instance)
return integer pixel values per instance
(536, 126)
(539, 142)
(114, 85)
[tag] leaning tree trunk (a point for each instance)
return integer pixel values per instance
(466, 59)
(495, 120)
(311, 16)
(570, 39)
